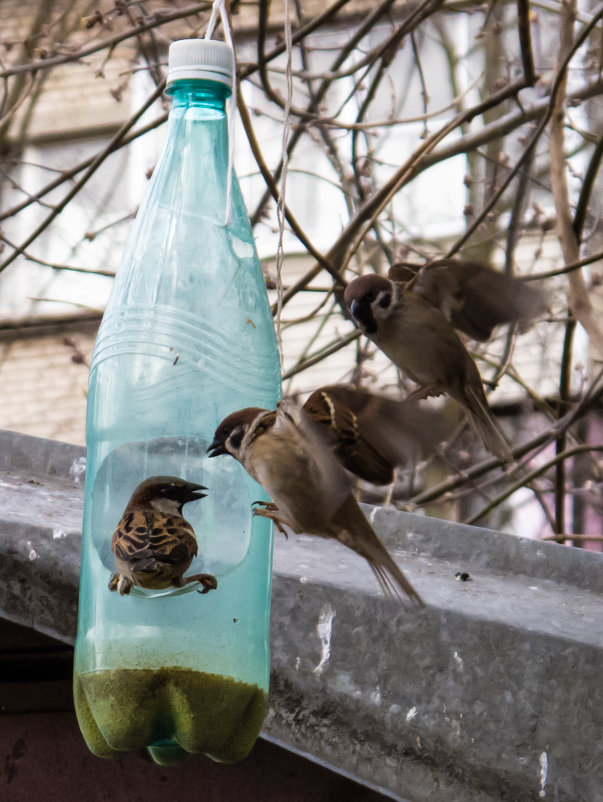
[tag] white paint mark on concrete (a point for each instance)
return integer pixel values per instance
(544, 773)
(458, 659)
(58, 534)
(394, 710)
(324, 628)
(371, 515)
(411, 713)
(376, 696)
(297, 663)
(344, 683)
(77, 469)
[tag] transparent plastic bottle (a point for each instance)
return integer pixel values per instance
(187, 338)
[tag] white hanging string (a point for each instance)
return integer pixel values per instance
(280, 207)
(219, 7)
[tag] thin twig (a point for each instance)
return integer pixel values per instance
(525, 480)
(542, 440)
(154, 21)
(318, 97)
(271, 184)
(556, 92)
(588, 184)
(96, 163)
(322, 354)
(587, 260)
(67, 175)
(525, 41)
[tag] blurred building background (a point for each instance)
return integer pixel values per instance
(52, 297)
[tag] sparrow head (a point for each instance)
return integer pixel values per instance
(228, 437)
(369, 299)
(166, 491)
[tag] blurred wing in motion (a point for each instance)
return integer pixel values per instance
(474, 298)
(371, 434)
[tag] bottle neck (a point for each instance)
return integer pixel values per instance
(194, 165)
(208, 95)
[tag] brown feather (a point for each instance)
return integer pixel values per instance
(311, 493)
(419, 339)
(473, 297)
(350, 527)
(340, 427)
(153, 548)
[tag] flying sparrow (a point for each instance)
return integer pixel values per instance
(471, 296)
(418, 338)
(284, 452)
(153, 543)
(371, 434)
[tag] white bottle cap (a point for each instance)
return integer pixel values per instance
(207, 59)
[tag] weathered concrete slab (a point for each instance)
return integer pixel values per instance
(41, 498)
(494, 692)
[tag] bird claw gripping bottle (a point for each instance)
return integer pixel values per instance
(187, 337)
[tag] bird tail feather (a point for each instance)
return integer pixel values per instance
(350, 519)
(485, 426)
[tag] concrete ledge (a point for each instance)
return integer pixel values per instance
(492, 693)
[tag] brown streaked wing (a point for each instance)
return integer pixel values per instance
(142, 537)
(172, 540)
(330, 408)
(131, 537)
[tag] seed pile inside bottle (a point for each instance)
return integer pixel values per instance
(128, 709)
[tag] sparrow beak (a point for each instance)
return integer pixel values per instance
(361, 311)
(217, 448)
(193, 491)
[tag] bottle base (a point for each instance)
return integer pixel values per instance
(172, 711)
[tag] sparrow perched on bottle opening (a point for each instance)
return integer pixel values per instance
(371, 434)
(472, 297)
(284, 452)
(418, 338)
(153, 543)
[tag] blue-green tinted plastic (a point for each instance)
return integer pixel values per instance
(187, 338)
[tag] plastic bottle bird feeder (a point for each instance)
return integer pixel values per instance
(187, 337)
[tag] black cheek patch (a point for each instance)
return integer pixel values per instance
(236, 437)
(385, 300)
(364, 315)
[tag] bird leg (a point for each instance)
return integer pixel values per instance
(419, 393)
(268, 509)
(120, 583)
(208, 581)
(268, 505)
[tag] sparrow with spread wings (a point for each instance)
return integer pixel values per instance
(153, 543)
(412, 321)
(291, 457)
